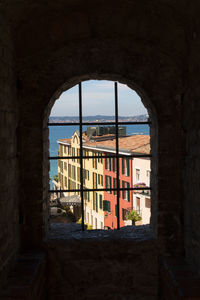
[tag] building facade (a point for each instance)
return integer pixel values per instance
(100, 207)
(142, 199)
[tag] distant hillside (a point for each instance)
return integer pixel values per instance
(98, 118)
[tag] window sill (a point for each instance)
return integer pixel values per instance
(59, 231)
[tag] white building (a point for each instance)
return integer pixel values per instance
(142, 199)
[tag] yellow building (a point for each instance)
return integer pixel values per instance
(69, 177)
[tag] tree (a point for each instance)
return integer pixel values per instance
(55, 177)
(134, 216)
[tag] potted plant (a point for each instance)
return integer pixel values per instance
(134, 216)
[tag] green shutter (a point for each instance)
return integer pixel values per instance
(109, 164)
(123, 192)
(128, 171)
(100, 201)
(123, 214)
(110, 184)
(105, 205)
(96, 202)
(113, 164)
(116, 211)
(108, 206)
(122, 166)
(128, 186)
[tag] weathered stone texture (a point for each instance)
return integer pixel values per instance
(101, 264)
(27, 279)
(154, 48)
(9, 235)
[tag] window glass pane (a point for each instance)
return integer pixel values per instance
(64, 140)
(66, 108)
(98, 101)
(65, 206)
(130, 106)
(100, 207)
(133, 171)
(135, 130)
(93, 210)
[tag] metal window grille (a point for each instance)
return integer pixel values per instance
(82, 154)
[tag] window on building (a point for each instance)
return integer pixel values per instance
(114, 162)
(108, 183)
(100, 201)
(137, 175)
(124, 212)
(106, 205)
(137, 203)
(148, 174)
(147, 203)
(102, 146)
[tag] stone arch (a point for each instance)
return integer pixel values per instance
(153, 77)
(152, 114)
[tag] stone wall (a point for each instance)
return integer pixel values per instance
(101, 264)
(132, 49)
(9, 220)
(191, 128)
(153, 47)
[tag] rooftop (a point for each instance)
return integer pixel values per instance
(133, 143)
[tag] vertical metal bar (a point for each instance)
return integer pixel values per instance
(81, 154)
(117, 153)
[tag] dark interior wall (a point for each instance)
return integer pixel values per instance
(135, 47)
(191, 127)
(9, 231)
(151, 45)
(102, 264)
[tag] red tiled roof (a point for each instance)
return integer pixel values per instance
(133, 143)
(65, 140)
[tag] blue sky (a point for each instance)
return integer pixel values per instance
(98, 99)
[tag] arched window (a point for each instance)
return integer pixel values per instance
(101, 174)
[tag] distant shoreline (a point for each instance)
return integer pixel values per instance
(98, 118)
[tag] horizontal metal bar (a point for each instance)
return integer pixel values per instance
(102, 190)
(99, 123)
(95, 156)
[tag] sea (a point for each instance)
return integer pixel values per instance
(63, 132)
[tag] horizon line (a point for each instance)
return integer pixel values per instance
(99, 116)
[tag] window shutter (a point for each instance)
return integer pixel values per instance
(119, 187)
(116, 211)
(108, 206)
(105, 205)
(96, 202)
(123, 192)
(128, 192)
(113, 164)
(122, 166)
(128, 171)
(100, 201)
(110, 183)
(123, 214)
